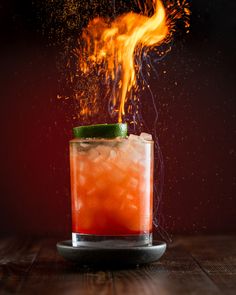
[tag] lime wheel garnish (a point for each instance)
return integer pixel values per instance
(101, 131)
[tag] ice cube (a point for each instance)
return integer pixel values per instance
(122, 162)
(125, 205)
(98, 159)
(113, 154)
(129, 197)
(103, 150)
(81, 166)
(136, 153)
(78, 204)
(91, 191)
(146, 136)
(106, 166)
(93, 154)
(84, 145)
(134, 137)
(122, 147)
(119, 191)
(133, 182)
(133, 207)
(136, 148)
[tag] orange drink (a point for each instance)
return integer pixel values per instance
(111, 191)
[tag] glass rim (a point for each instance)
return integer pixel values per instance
(117, 139)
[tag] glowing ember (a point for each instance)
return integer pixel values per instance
(113, 46)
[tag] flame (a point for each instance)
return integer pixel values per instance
(113, 46)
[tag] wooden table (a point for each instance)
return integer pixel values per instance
(192, 265)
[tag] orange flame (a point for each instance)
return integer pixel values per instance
(113, 46)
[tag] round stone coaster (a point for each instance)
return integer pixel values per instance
(111, 256)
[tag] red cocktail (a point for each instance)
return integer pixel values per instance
(112, 190)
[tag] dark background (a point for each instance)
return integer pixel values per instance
(196, 102)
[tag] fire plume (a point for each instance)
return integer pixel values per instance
(112, 47)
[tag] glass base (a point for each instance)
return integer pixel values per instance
(97, 241)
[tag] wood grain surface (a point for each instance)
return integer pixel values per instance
(191, 265)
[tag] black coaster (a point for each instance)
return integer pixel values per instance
(111, 256)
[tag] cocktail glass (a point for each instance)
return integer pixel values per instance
(111, 191)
